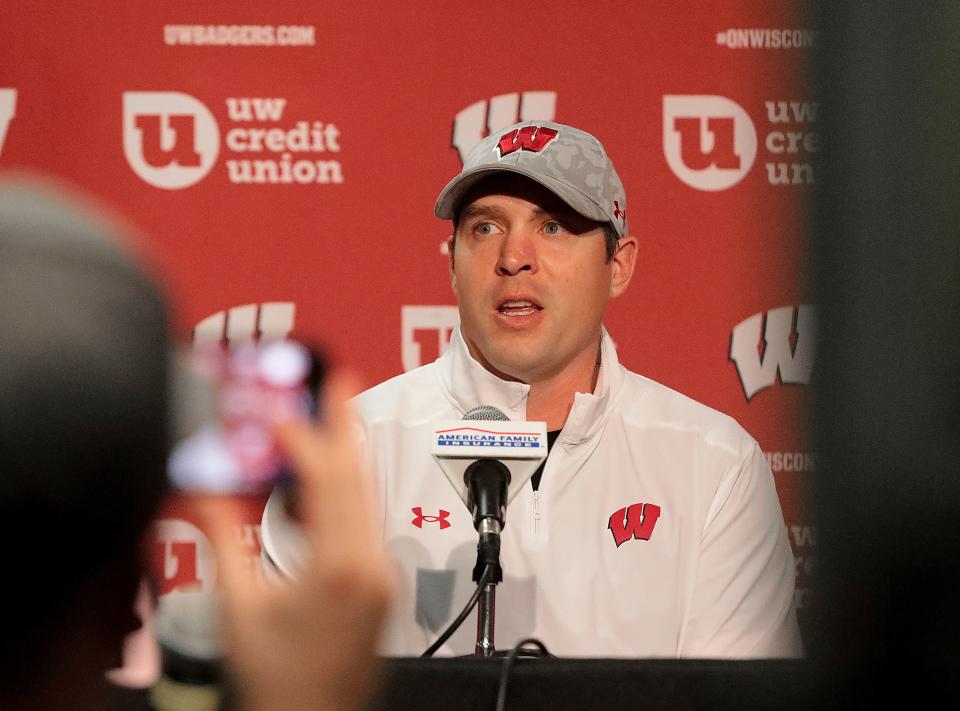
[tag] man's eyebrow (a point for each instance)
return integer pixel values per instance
(473, 211)
(557, 211)
(497, 211)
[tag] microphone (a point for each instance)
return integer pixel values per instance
(487, 459)
(487, 480)
(488, 444)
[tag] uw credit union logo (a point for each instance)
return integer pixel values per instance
(171, 140)
(183, 558)
(709, 142)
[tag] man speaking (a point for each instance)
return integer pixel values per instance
(653, 527)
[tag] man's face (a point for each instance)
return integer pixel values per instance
(532, 279)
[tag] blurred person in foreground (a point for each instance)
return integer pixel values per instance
(84, 413)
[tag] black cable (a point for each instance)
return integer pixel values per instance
(484, 579)
(508, 663)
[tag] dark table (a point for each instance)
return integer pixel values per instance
(471, 684)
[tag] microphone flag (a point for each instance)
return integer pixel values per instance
(521, 446)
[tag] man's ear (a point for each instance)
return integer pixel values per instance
(624, 260)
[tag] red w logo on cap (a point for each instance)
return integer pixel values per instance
(528, 138)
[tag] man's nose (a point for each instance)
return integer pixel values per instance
(517, 254)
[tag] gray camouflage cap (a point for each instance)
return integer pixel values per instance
(567, 161)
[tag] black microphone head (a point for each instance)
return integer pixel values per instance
(486, 479)
(485, 412)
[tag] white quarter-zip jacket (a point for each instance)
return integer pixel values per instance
(656, 531)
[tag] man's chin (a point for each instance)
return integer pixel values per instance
(515, 366)
(516, 357)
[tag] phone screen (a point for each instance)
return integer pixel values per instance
(254, 387)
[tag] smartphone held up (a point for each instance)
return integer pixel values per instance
(250, 389)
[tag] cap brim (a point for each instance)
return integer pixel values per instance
(456, 190)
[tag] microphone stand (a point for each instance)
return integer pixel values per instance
(488, 554)
(487, 481)
(486, 614)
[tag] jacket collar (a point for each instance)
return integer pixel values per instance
(469, 384)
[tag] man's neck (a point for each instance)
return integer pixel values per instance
(551, 399)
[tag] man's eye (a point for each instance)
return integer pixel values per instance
(552, 228)
(483, 228)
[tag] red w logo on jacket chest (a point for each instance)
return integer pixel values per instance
(634, 521)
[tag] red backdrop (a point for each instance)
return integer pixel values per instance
(287, 155)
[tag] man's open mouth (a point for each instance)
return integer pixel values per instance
(519, 307)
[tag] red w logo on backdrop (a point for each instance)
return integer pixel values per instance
(485, 117)
(528, 138)
(633, 522)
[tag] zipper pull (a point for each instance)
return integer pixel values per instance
(536, 512)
